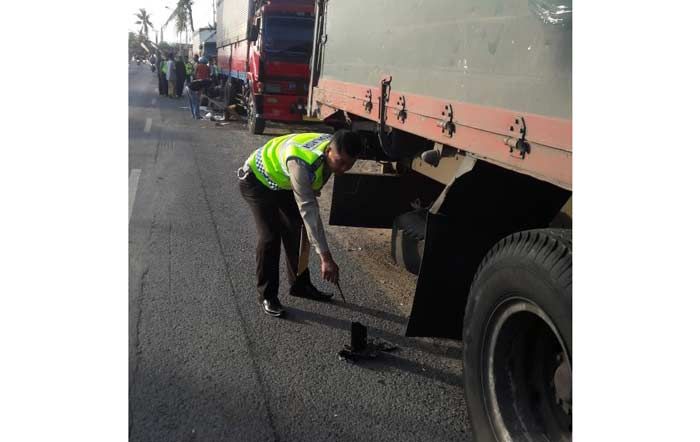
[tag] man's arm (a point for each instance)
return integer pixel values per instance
(301, 179)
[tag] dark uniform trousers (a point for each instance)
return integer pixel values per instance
(277, 219)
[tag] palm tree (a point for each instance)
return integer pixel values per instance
(182, 15)
(144, 19)
(188, 5)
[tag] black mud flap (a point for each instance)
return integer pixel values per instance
(374, 200)
(367, 200)
(437, 308)
(483, 206)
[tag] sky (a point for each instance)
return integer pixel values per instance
(202, 14)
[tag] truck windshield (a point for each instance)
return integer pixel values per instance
(288, 35)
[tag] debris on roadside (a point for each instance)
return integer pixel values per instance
(362, 348)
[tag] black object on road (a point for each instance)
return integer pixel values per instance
(362, 348)
(358, 336)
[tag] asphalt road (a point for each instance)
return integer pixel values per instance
(205, 364)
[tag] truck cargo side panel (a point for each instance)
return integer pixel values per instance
(497, 53)
(232, 21)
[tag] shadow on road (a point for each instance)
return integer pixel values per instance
(386, 316)
(386, 361)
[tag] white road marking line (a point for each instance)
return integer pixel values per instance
(153, 101)
(133, 185)
(149, 121)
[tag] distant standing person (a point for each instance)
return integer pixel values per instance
(189, 70)
(162, 82)
(214, 71)
(194, 91)
(195, 60)
(201, 72)
(180, 76)
(170, 75)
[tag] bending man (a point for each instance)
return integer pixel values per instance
(280, 182)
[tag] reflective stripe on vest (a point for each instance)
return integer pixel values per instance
(269, 163)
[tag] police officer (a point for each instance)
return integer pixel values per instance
(280, 182)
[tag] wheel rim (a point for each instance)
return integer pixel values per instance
(526, 375)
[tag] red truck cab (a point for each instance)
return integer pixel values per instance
(267, 68)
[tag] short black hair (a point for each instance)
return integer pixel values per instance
(348, 142)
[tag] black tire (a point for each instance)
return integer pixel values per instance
(517, 339)
(228, 93)
(256, 125)
(408, 240)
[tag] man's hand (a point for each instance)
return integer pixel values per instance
(329, 269)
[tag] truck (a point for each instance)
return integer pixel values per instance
(467, 106)
(263, 51)
(204, 43)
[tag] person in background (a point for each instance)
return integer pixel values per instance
(170, 75)
(180, 76)
(214, 71)
(161, 66)
(189, 70)
(193, 96)
(201, 72)
(194, 90)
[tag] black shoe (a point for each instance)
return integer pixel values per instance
(310, 292)
(272, 307)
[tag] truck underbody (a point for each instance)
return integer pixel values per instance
(459, 220)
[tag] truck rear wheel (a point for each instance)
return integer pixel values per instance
(256, 125)
(517, 339)
(408, 240)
